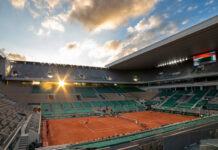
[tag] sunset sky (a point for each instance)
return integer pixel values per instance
(93, 32)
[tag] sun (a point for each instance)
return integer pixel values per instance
(61, 83)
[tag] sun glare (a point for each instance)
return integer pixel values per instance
(61, 83)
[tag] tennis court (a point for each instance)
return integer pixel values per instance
(74, 130)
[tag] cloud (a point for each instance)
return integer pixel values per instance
(71, 46)
(49, 7)
(18, 3)
(42, 32)
(88, 52)
(52, 3)
(39, 4)
(53, 23)
(63, 17)
(165, 16)
(130, 36)
(185, 21)
(192, 8)
(97, 15)
(13, 56)
(209, 2)
(47, 4)
(33, 13)
(143, 37)
(112, 45)
(179, 10)
(146, 24)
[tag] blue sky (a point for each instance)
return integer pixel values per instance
(92, 32)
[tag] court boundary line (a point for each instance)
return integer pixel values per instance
(98, 130)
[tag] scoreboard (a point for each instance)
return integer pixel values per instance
(205, 58)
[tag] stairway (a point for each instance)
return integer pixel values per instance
(200, 99)
(23, 144)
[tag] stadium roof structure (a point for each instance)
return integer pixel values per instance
(197, 39)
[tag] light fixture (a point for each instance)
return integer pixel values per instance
(108, 78)
(173, 62)
(35, 82)
(15, 73)
(50, 75)
(135, 79)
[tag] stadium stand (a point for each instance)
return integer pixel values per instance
(212, 93)
(79, 108)
(12, 117)
(201, 103)
(113, 96)
(166, 93)
(171, 102)
(105, 90)
(197, 96)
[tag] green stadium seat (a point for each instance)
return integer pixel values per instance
(56, 105)
(201, 103)
(77, 104)
(130, 107)
(131, 102)
(115, 103)
(86, 110)
(97, 104)
(105, 90)
(107, 103)
(212, 92)
(122, 102)
(166, 93)
(86, 92)
(118, 108)
(86, 104)
(212, 106)
(172, 101)
(132, 89)
(197, 96)
(118, 89)
(67, 105)
(152, 102)
(46, 109)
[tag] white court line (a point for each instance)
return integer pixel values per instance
(90, 129)
(85, 125)
(98, 130)
(101, 129)
(107, 129)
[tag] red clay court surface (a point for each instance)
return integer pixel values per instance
(68, 131)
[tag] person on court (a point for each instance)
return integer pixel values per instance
(86, 122)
